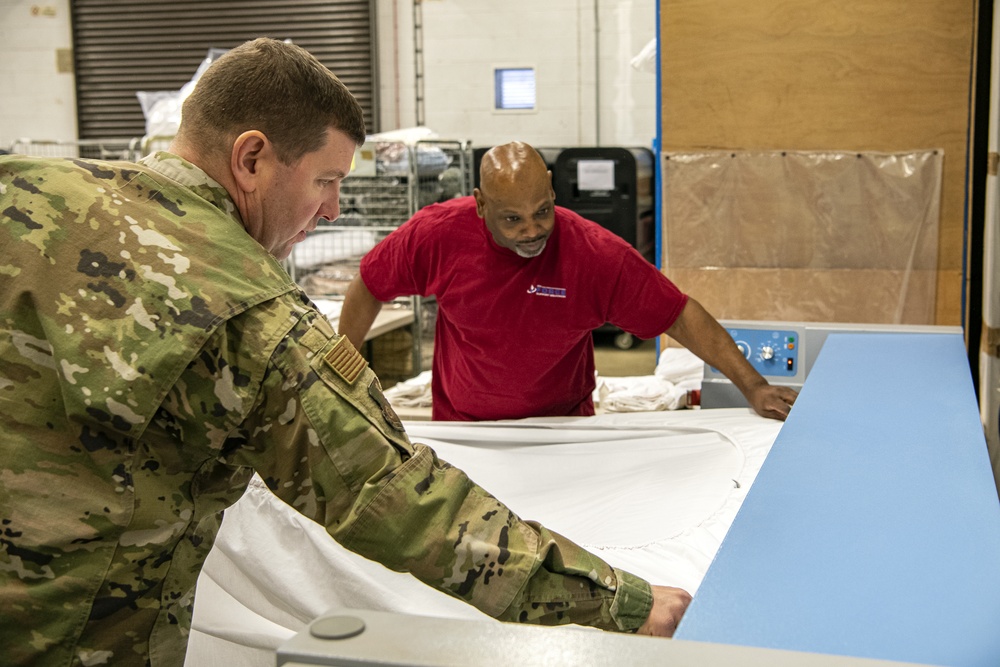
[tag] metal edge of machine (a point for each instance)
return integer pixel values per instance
(365, 638)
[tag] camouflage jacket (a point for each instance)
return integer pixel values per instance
(152, 356)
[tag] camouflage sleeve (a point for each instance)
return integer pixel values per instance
(325, 440)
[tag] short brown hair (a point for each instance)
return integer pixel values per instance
(277, 88)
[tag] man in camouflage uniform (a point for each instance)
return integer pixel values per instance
(154, 354)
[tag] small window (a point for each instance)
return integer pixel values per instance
(515, 88)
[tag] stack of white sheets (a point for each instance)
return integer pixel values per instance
(678, 372)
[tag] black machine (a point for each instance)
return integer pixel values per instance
(612, 186)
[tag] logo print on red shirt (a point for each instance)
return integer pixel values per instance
(541, 290)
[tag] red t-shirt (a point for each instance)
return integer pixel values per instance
(513, 334)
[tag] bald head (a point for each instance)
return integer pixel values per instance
(509, 166)
(515, 198)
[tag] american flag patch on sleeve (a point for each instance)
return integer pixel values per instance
(345, 360)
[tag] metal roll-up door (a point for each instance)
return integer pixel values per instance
(151, 45)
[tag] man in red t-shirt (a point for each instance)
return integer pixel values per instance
(520, 284)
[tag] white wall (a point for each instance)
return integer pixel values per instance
(36, 101)
(588, 93)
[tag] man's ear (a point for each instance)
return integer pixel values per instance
(250, 151)
(480, 201)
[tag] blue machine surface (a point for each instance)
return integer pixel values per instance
(785, 352)
(873, 528)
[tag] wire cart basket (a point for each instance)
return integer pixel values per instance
(96, 149)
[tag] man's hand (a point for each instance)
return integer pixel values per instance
(699, 332)
(669, 604)
(771, 401)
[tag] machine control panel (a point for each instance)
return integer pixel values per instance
(773, 352)
(776, 350)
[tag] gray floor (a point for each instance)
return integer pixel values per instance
(613, 362)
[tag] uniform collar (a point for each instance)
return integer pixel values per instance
(192, 177)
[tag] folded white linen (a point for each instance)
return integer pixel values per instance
(681, 367)
(644, 393)
(677, 372)
(412, 393)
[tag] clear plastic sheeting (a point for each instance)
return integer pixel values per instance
(805, 236)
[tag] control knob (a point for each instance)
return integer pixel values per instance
(767, 352)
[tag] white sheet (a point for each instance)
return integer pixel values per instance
(652, 493)
(677, 372)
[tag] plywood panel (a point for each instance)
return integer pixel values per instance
(812, 295)
(891, 75)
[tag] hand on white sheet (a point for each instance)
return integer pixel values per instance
(669, 604)
(772, 401)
